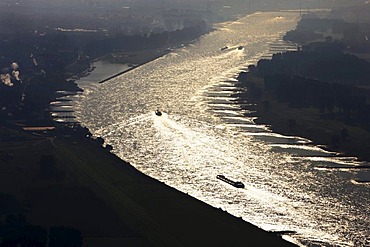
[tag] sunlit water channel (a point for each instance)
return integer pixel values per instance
(290, 184)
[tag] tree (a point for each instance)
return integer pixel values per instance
(15, 221)
(32, 236)
(18, 233)
(109, 147)
(10, 235)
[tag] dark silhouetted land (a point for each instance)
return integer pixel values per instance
(61, 187)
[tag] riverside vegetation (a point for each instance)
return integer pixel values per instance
(320, 92)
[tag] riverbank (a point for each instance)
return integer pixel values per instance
(98, 189)
(328, 133)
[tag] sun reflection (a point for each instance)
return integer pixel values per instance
(202, 133)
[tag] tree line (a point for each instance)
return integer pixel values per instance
(319, 76)
(341, 101)
(322, 61)
(17, 232)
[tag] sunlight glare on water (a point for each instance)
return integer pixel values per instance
(203, 132)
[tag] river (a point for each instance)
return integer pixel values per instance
(290, 185)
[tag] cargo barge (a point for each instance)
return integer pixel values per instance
(236, 184)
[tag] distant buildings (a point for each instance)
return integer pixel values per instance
(176, 19)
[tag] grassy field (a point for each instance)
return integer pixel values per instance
(48, 202)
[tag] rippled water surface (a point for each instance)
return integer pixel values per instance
(289, 184)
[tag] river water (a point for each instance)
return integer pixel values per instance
(290, 185)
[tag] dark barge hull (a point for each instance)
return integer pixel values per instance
(236, 184)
